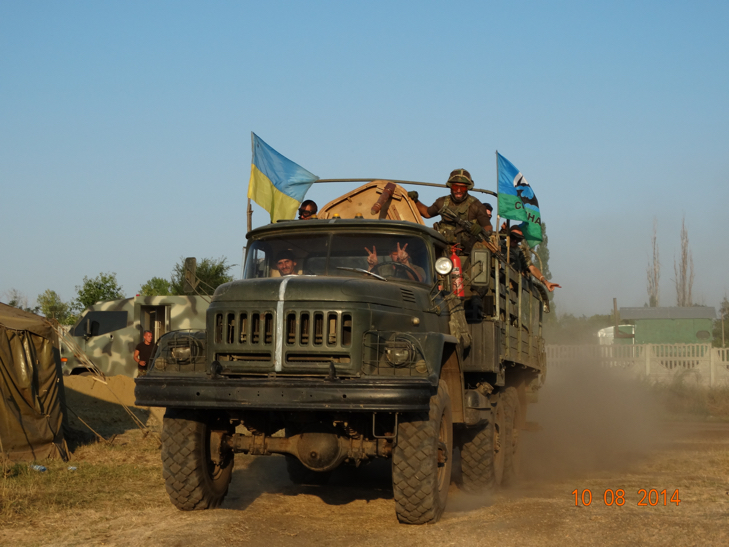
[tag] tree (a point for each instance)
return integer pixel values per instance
(53, 307)
(543, 253)
(654, 272)
(156, 287)
(542, 262)
(684, 270)
(17, 299)
(719, 336)
(102, 287)
(212, 272)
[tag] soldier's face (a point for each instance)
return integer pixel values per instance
(306, 212)
(285, 266)
(459, 191)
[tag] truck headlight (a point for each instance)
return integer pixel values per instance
(399, 353)
(443, 265)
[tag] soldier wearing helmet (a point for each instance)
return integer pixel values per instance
(465, 206)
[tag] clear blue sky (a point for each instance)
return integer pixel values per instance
(125, 127)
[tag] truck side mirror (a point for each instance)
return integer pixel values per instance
(480, 263)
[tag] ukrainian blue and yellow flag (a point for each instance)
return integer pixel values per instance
(277, 184)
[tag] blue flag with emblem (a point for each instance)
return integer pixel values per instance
(517, 200)
(277, 184)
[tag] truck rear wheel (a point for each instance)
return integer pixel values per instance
(422, 461)
(482, 454)
(512, 415)
(195, 478)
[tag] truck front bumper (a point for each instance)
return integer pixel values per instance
(285, 394)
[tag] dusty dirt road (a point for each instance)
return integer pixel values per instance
(598, 433)
(263, 508)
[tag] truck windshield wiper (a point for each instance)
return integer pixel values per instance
(360, 270)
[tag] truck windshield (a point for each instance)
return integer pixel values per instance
(404, 258)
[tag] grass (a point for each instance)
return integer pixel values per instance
(681, 397)
(108, 478)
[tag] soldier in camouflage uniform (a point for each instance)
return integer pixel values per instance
(519, 257)
(465, 206)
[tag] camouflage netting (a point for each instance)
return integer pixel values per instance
(31, 411)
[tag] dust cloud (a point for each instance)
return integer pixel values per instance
(592, 419)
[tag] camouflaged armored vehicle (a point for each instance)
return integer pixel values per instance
(105, 336)
(343, 361)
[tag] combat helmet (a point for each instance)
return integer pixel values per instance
(460, 176)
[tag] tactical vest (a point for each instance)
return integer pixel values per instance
(455, 234)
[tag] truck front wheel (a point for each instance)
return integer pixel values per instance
(196, 477)
(422, 461)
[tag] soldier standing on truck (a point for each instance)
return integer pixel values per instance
(519, 257)
(143, 352)
(464, 206)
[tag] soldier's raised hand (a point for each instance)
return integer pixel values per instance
(402, 255)
(371, 256)
(552, 286)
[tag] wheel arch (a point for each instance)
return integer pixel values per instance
(451, 374)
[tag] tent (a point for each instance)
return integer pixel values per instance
(31, 385)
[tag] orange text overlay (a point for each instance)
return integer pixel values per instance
(644, 498)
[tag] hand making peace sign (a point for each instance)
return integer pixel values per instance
(400, 255)
(371, 257)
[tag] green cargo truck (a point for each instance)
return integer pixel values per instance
(343, 362)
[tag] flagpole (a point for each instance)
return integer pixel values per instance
(498, 219)
(498, 215)
(249, 210)
(249, 214)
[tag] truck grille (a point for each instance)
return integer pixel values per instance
(253, 329)
(309, 337)
(304, 328)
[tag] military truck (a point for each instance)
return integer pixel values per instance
(348, 359)
(104, 337)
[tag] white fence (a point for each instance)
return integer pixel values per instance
(658, 362)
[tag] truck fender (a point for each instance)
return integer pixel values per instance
(452, 375)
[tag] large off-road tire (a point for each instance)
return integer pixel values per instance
(482, 454)
(300, 474)
(192, 479)
(422, 461)
(513, 418)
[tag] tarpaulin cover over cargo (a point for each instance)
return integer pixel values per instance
(31, 411)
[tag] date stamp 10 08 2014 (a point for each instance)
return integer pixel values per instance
(645, 498)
